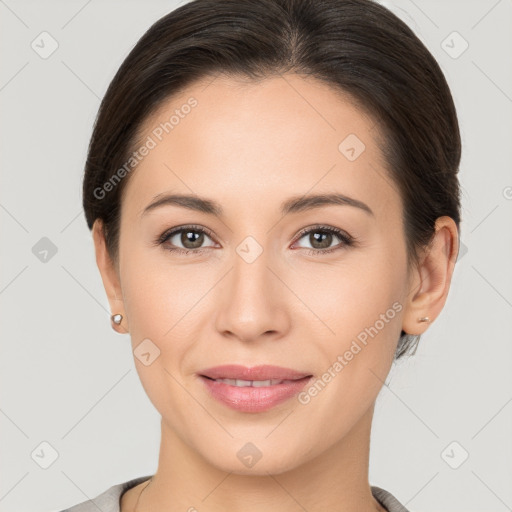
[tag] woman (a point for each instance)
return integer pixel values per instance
(272, 192)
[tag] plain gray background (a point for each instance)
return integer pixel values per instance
(68, 380)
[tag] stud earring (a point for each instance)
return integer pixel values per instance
(116, 319)
(424, 319)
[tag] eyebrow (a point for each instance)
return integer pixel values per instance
(294, 204)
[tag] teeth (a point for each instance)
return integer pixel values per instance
(253, 383)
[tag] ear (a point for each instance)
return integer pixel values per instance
(430, 282)
(109, 276)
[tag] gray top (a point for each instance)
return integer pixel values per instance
(109, 500)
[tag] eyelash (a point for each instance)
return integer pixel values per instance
(347, 240)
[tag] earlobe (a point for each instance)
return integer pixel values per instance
(116, 321)
(430, 286)
(110, 278)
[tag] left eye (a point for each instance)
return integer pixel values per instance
(321, 238)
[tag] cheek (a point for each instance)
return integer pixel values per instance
(350, 296)
(359, 306)
(168, 302)
(157, 297)
(157, 291)
(362, 326)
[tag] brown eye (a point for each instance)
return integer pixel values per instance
(185, 239)
(191, 239)
(321, 238)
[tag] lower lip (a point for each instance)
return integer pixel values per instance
(252, 399)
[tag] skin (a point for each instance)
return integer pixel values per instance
(250, 146)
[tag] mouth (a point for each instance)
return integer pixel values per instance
(240, 383)
(253, 395)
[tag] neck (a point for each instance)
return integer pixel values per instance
(336, 479)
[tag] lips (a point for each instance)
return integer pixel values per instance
(255, 373)
(253, 390)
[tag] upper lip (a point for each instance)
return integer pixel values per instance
(261, 372)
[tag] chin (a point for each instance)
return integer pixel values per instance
(246, 458)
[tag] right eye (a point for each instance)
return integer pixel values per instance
(191, 238)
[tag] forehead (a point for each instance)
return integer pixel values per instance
(242, 142)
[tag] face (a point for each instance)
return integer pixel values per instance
(318, 288)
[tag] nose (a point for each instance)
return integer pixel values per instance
(252, 301)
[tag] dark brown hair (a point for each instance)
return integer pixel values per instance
(357, 47)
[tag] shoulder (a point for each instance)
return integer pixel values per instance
(108, 500)
(387, 500)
